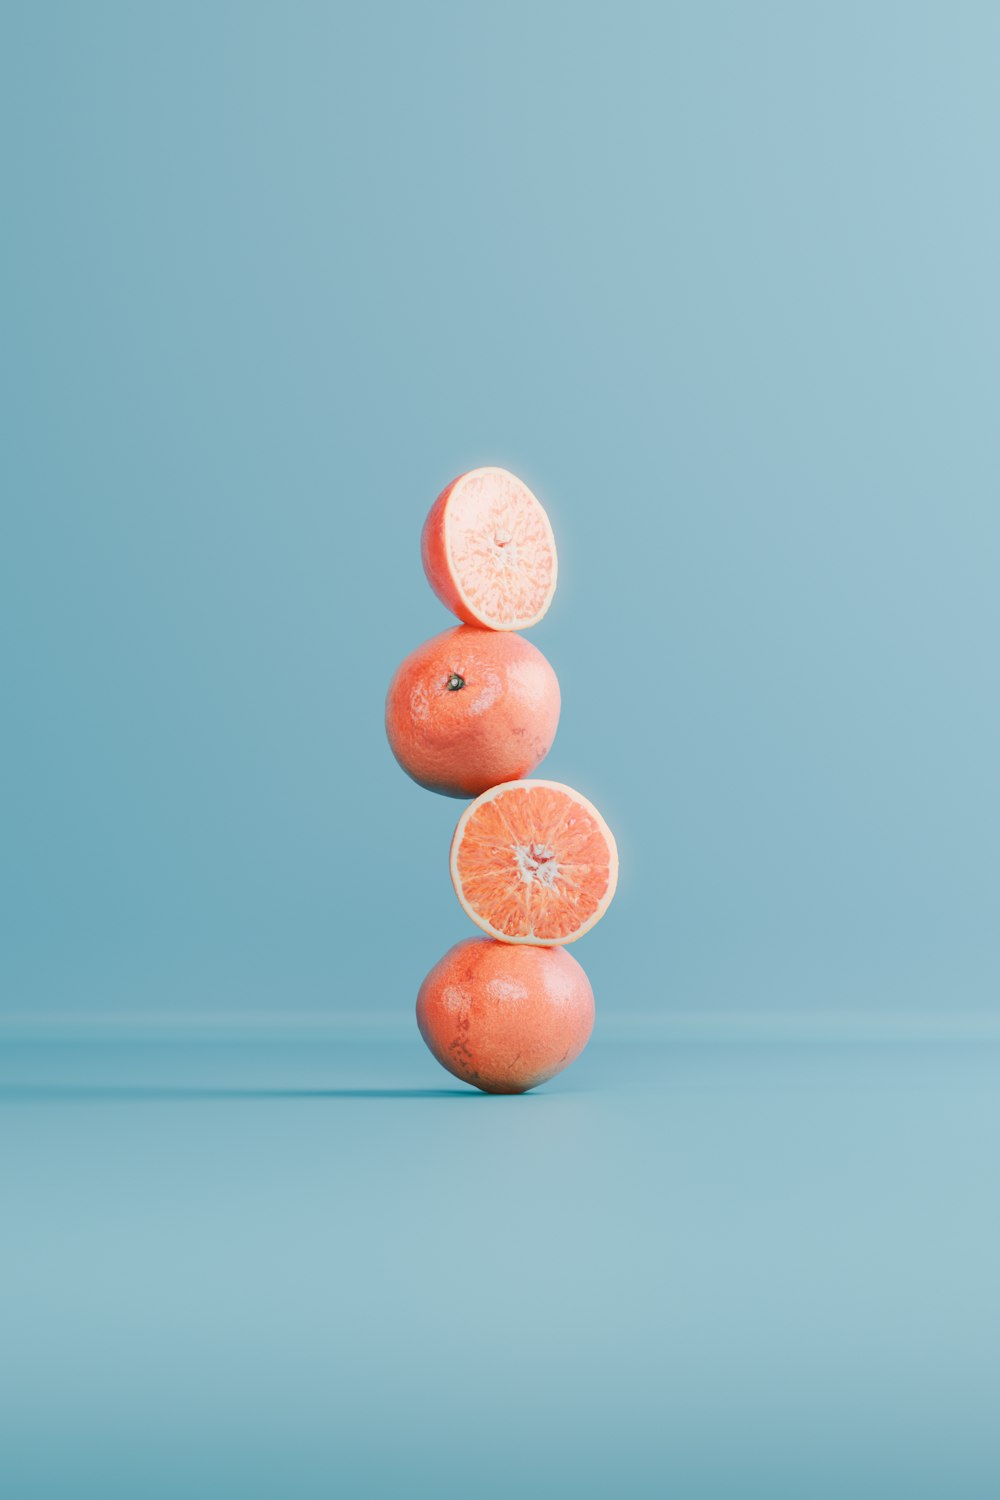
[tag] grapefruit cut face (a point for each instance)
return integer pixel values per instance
(489, 552)
(534, 862)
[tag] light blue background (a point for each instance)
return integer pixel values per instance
(720, 281)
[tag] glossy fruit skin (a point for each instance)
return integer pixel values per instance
(504, 1018)
(497, 726)
(434, 555)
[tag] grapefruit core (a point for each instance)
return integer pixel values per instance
(534, 862)
(488, 551)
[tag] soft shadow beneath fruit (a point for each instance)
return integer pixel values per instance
(71, 1093)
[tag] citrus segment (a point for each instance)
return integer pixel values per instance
(488, 551)
(534, 862)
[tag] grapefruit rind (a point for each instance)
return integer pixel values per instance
(562, 939)
(473, 610)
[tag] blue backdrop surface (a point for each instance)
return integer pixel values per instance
(718, 280)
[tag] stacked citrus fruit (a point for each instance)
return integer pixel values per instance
(471, 713)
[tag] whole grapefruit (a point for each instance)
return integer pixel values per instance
(470, 708)
(505, 1018)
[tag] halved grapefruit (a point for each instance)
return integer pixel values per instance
(488, 551)
(534, 862)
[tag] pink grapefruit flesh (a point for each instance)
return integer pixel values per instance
(534, 862)
(488, 551)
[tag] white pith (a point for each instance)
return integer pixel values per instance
(503, 549)
(486, 926)
(536, 862)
